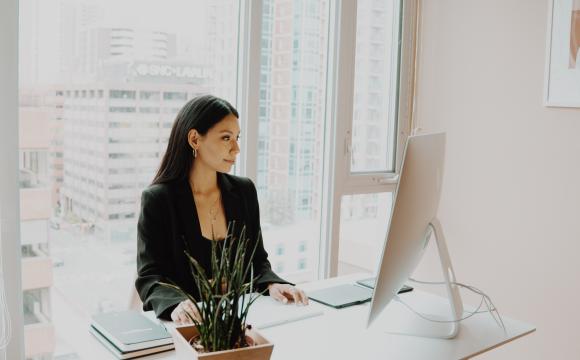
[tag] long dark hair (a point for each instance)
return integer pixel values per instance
(200, 113)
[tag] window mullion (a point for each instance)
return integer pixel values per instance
(248, 84)
(10, 253)
(341, 83)
(410, 15)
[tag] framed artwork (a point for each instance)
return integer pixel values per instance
(562, 84)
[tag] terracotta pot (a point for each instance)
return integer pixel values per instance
(184, 351)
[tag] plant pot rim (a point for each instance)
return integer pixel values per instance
(182, 335)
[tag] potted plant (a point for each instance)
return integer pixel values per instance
(222, 332)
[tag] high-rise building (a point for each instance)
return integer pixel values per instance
(292, 113)
(115, 133)
(292, 102)
(98, 46)
(222, 49)
(35, 116)
(55, 104)
(371, 106)
(291, 128)
(75, 17)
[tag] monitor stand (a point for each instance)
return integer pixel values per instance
(397, 318)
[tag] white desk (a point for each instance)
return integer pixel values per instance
(341, 334)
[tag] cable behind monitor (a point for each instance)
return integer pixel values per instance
(485, 299)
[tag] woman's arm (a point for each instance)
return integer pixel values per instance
(154, 263)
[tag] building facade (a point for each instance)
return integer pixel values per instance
(115, 134)
(36, 199)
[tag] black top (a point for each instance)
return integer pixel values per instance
(168, 223)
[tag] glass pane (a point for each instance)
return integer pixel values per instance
(291, 132)
(364, 220)
(373, 128)
(100, 84)
(35, 306)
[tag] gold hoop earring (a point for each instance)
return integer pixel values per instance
(194, 152)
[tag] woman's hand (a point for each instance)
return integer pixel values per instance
(179, 314)
(285, 293)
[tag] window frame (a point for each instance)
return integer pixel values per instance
(248, 84)
(337, 178)
(10, 254)
(342, 181)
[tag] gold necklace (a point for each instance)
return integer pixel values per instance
(213, 210)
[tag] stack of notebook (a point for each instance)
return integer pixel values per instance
(130, 334)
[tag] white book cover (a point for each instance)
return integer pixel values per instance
(131, 354)
(131, 330)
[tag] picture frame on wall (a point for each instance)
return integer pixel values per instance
(562, 83)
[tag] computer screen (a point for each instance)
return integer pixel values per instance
(415, 207)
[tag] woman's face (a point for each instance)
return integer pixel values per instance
(219, 147)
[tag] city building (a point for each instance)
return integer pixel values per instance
(36, 198)
(290, 145)
(291, 124)
(99, 45)
(222, 48)
(291, 129)
(373, 114)
(115, 133)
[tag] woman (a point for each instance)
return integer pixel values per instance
(190, 204)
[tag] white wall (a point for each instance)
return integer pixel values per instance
(511, 200)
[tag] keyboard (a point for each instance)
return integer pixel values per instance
(266, 312)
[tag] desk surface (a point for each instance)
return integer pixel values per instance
(341, 334)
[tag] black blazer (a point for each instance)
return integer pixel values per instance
(168, 223)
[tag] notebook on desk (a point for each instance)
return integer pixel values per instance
(128, 354)
(267, 312)
(129, 331)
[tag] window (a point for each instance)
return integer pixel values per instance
(290, 199)
(34, 171)
(305, 124)
(149, 110)
(173, 95)
(122, 109)
(81, 177)
(36, 309)
(376, 29)
(280, 250)
(149, 95)
(363, 227)
(367, 126)
(121, 94)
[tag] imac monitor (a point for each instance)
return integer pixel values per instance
(414, 210)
